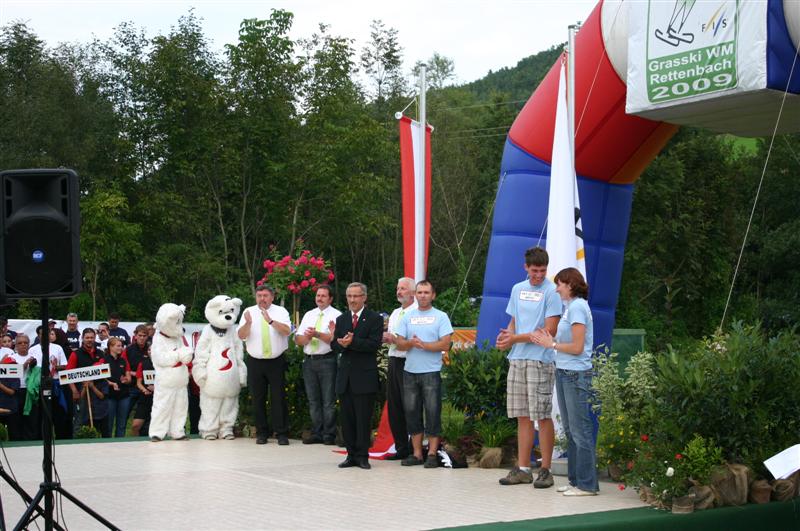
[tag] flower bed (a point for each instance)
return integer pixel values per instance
(691, 429)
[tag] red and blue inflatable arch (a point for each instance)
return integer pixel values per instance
(612, 149)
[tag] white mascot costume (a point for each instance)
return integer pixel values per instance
(170, 354)
(219, 369)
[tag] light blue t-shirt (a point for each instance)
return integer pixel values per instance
(576, 312)
(529, 306)
(430, 325)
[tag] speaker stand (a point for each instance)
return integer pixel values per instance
(48, 487)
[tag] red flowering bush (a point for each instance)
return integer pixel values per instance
(294, 275)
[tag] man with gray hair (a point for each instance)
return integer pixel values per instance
(265, 329)
(356, 339)
(72, 331)
(397, 361)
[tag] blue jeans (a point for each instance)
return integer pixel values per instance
(319, 375)
(118, 415)
(423, 391)
(574, 392)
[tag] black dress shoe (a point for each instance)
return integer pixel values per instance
(313, 440)
(395, 457)
(364, 463)
(348, 462)
(261, 440)
(329, 442)
(283, 440)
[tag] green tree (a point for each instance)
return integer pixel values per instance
(106, 240)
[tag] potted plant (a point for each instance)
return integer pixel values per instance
(493, 433)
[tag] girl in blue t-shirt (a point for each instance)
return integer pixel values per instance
(573, 347)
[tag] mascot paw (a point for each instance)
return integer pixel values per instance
(185, 354)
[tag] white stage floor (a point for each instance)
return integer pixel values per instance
(240, 485)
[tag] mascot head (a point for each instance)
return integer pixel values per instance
(222, 311)
(169, 319)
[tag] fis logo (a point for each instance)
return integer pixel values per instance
(716, 22)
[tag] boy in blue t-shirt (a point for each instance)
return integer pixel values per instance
(533, 305)
(425, 333)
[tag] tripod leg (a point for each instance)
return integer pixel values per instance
(85, 508)
(19, 490)
(34, 504)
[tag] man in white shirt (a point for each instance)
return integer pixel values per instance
(319, 366)
(102, 336)
(265, 329)
(57, 357)
(397, 361)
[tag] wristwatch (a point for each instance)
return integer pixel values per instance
(554, 345)
(270, 322)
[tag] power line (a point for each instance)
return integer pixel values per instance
(480, 129)
(478, 105)
(475, 136)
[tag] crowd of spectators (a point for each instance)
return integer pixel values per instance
(109, 405)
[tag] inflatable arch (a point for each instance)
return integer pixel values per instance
(612, 149)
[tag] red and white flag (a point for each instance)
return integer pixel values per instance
(416, 195)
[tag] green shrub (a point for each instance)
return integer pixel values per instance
(702, 457)
(624, 403)
(475, 381)
(87, 432)
(494, 432)
(454, 423)
(738, 389)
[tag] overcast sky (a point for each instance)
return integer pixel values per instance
(478, 35)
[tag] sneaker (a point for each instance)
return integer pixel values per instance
(544, 479)
(210, 436)
(411, 460)
(431, 461)
(155, 439)
(229, 436)
(575, 491)
(517, 476)
(563, 488)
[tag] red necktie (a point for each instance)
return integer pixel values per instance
(355, 320)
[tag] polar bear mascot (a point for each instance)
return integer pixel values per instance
(219, 369)
(171, 356)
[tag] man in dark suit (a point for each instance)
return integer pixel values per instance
(357, 338)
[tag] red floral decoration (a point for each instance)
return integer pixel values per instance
(293, 275)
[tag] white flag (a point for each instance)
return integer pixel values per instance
(564, 228)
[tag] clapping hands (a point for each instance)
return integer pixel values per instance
(541, 337)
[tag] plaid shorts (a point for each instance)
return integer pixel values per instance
(529, 389)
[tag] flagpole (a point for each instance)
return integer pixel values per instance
(573, 29)
(419, 255)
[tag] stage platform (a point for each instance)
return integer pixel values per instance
(237, 484)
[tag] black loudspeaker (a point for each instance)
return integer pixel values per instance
(39, 234)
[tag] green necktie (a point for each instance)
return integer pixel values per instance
(315, 341)
(266, 340)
